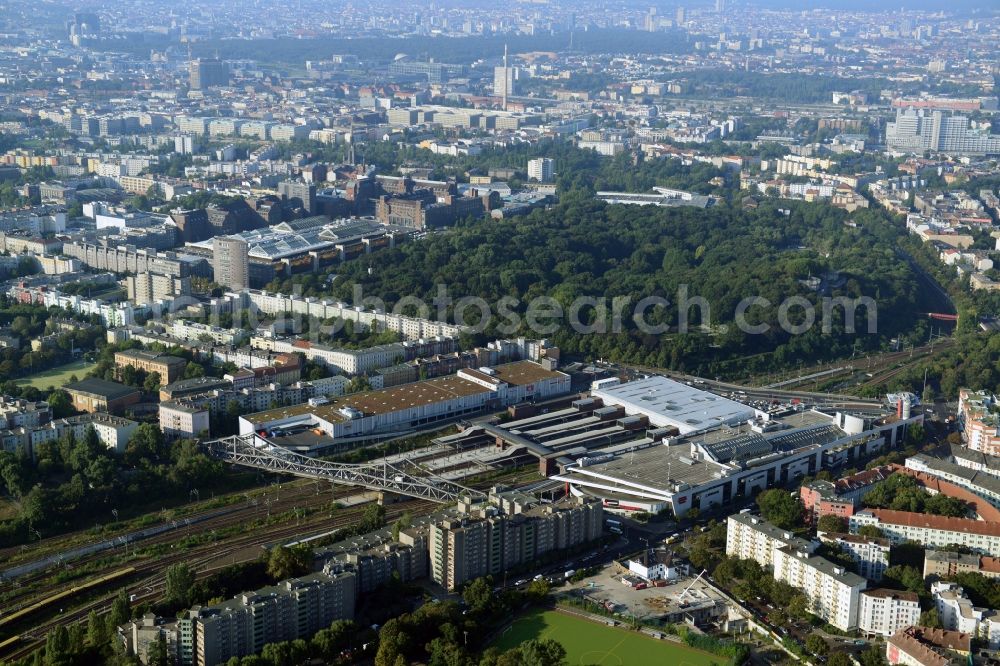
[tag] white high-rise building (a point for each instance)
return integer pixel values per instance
(750, 537)
(916, 131)
(542, 169)
(503, 81)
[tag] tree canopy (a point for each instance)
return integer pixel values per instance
(779, 507)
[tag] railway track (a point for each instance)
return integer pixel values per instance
(148, 581)
(301, 495)
(149, 575)
(65, 542)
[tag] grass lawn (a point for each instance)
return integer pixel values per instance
(589, 643)
(58, 376)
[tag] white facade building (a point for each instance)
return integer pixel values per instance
(834, 593)
(347, 361)
(750, 537)
(542, 169)
(178, 419)
(883, 612)
(870, 554)
(934, 531)
(192, 331)
(957, 613)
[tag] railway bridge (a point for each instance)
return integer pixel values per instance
(410, 480)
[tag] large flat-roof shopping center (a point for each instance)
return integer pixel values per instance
(645, 445)
(681, 447)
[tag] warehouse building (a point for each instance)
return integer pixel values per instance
(376, 414)
(98, 395)
(308, 245)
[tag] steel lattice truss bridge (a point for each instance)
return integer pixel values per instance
(401, 478)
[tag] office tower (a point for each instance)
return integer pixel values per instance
(145, 287)
(541, 169)
(435, 72)
(503, 80)
(303, 192)
(652, 20)
(231, 262)
(83, 25)
(720, 6)
(917, 130)
(207, 73)
(680, 15)
(186, 144)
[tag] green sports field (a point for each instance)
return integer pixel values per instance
(58, 376)
(589, 643)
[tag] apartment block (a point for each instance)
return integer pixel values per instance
(296, 608)
(211, 635)
(883, 612)
(192, 331)
(979, 489)
(489, 539)
(979, 418)
(138, 636)
(145, 288)
(934, 531)
(832, 591)
(18, 412)
(542, 169)
(130, 259)
(871, 555)
(945, 563)
(230, 262)
(923, 646)
(957, 613)
(180, 419)
(347, 361)
(375, 566)
(113, 432)
(750, 537)
(842, 497)
(412, 328)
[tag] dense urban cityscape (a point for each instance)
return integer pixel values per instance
(535, 334)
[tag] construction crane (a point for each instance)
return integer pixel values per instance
(680, 597)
